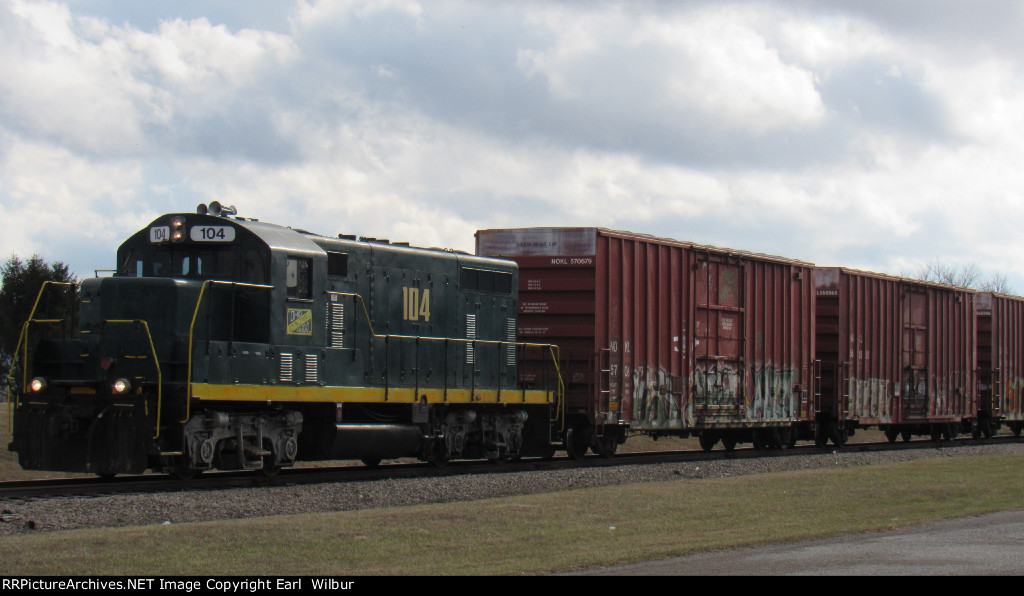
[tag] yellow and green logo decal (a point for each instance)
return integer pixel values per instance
(300, 321)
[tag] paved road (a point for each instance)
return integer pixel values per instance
(986, 545)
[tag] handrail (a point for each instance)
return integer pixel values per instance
(152, 348)
(21, 338)
(560, 388)
(191, 335)
(560, 391)
(156, 362)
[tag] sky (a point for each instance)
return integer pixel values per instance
(871, 134)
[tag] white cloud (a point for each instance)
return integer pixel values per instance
(847, 135)
(709, 63)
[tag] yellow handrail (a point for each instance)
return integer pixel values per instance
(156, 362)
(191, 336)
(21, 338)
(560, 391)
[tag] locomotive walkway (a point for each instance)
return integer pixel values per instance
(979, 546)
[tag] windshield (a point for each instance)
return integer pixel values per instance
(190, 261)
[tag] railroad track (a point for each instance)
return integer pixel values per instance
(154, 483)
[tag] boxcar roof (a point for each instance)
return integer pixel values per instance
(907, 280)
(545, 241)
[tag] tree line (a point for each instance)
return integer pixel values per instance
(21, 281)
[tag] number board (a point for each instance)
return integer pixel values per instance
(159, 234)
(212, 234)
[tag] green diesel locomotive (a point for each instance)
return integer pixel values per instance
(225, 342)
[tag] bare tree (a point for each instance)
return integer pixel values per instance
(997, 283)
(962, 276)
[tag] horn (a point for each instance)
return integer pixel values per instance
(217, 209)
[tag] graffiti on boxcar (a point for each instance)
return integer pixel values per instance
(718, 385)
(774, 396)
(915, 391)
(870, 398)
(1011, 405)
(654, 406)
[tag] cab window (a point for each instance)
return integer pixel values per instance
(298, 278)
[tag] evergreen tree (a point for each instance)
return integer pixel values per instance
(21, 282)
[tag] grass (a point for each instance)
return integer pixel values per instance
(541, 533)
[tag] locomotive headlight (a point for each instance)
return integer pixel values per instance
(37, 385)
(177, 235)
(121, 386)
(177, 222)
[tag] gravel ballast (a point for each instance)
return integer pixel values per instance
(65, 513)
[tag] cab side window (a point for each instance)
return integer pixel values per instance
(298, 277)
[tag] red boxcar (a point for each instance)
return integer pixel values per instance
(1000, 363)
(666, 337)
(894, 353)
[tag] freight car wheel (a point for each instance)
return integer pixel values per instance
(577, 440)
(707, 441)
(729, 443)
(786, 437)
(607, 445)
(371, 462)
(821, 434)
(891, 434)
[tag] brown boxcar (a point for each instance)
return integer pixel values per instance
(1000, 321)
(894, 353)
(666, 337)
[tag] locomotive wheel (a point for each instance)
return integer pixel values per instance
(438, 454)
(183, 471)
(547, 452)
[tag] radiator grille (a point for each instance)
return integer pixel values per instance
(337, 325)
(470, 334)
(510, 354)
(312, 368)
(286, 364)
